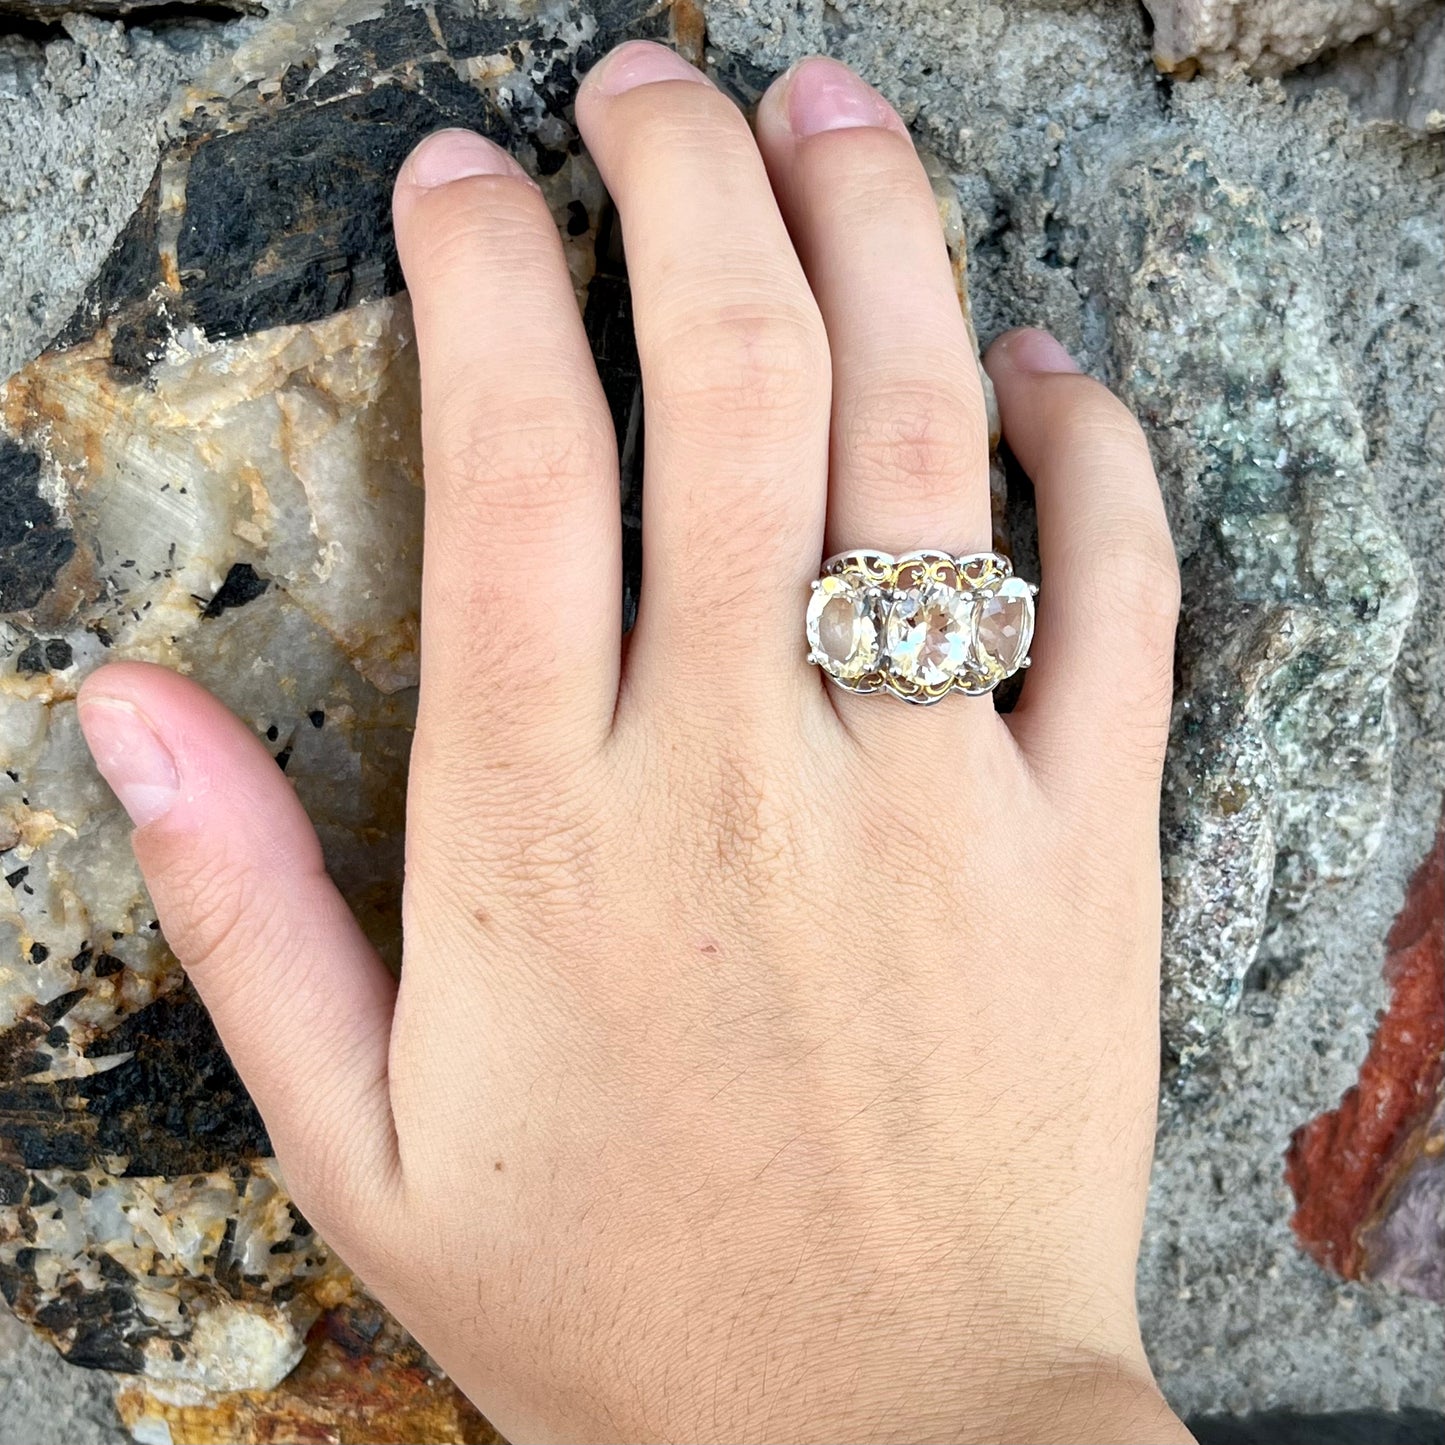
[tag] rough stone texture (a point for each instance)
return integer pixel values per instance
(44, 1401)
(1369, 1175)
(1267, 37)
(1257, 274)
(362, 1381)
(1402, 79)
(1298, 589)
(49, 12)
(79, 118)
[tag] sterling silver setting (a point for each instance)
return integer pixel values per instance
(921, 625)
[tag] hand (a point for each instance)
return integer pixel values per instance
(768, 1063)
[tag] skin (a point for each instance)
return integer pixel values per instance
(768, 1063)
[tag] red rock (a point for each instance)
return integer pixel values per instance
(1360, 1171)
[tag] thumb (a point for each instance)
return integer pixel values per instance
(299, 997)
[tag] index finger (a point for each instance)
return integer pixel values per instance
(522, 581)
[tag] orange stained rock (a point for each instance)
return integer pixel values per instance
(1343, 1164)
(343, 1392)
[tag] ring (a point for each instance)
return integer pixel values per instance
(921, 625)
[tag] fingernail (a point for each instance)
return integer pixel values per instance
(825, 95)
(453, 155)
(131, 758)
(640, 62)
(1034, 350)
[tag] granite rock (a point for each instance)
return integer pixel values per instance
(1298, 588)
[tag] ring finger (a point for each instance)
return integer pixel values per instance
(909, 449)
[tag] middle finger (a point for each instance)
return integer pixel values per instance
(910, 434)
(735, 376)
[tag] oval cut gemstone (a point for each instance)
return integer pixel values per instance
(927, 634)
(1005, 627)
(842, 627)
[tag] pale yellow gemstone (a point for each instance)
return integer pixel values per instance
(842, 628)
(1005, 627)
(927, 634)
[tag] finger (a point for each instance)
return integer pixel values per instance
(734, 362)
(300, 999)
(909, 464)
(522, 588)
(1098, 693)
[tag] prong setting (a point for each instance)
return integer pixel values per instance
(920, 625)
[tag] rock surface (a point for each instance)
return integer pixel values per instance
(1401, 79)
(79, 117)
(1299, 590)
(1257, 274)
(1369, 1175)
(1267, 37)
(49, 12)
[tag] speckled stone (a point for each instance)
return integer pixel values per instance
(1267, 37)
(1297, 588)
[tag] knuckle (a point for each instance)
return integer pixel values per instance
(914, 432)
(1136, 566)
(736, 367)
(660, 124)
(1135, 587)
(1093, 419)
(331, 1186)
(318, 1177)
(876, 177)
(523, 462)
(541, 864)
(494, 221)
(1125, 545)
(212, 917)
